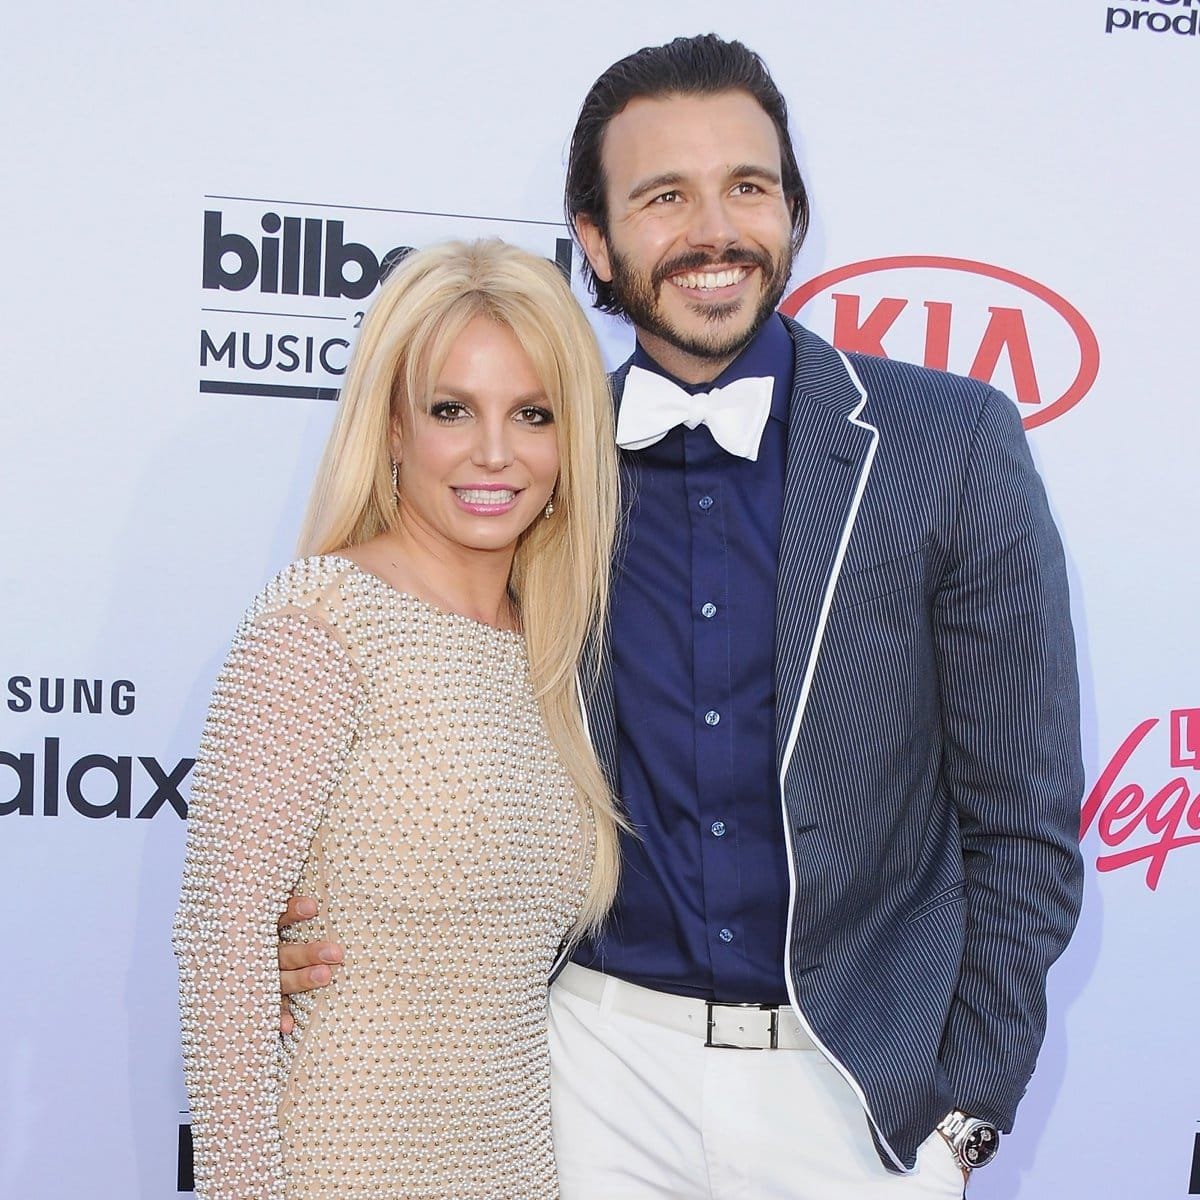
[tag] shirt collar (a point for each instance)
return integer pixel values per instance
(771, 352)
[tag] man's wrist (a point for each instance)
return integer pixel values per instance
(972, 1140)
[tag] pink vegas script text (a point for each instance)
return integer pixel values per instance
(1168, 819)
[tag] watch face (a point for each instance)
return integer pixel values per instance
(980, 1145)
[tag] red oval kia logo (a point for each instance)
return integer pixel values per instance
(958, 315)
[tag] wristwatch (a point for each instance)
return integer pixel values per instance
(973, 1142)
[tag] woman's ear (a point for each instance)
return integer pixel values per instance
(395, 441)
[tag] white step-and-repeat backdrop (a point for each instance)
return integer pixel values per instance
(199, 200)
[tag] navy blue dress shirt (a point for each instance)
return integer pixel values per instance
(702, 906)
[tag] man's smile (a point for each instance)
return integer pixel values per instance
(709, 281)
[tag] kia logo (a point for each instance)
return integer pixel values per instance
(1020, 335)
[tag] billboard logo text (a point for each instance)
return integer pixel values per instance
(293, 256)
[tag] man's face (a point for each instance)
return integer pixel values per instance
(698, 247)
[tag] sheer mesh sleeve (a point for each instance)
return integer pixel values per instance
(282, 718)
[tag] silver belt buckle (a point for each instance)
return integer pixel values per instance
(772, 1010)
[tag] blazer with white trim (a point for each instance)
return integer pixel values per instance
(928, 738)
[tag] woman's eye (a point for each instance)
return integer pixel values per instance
(447, 410)
(532, 414)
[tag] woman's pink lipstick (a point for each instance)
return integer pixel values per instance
(486, 499)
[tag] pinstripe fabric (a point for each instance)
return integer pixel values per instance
(599, 707)
(928, 738)
(596, 686)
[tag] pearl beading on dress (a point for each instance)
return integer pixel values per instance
(389, 759)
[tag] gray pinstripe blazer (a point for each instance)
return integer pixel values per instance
(928, 738)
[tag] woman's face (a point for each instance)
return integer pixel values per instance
(478, 458)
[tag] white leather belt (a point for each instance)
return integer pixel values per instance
(722, 1026)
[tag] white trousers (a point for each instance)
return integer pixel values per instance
(644, 1112)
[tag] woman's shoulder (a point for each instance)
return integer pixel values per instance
(314, 586)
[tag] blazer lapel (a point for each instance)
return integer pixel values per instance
(830, 452)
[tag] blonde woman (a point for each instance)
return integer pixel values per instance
(396, 732)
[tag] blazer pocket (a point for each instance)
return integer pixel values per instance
(865, 584)
(946, 896)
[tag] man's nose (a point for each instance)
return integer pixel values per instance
(712, 224)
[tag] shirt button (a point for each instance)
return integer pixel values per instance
(718, 828)
(709, 611)
(712, 717)
(726, 935)
(706, 502)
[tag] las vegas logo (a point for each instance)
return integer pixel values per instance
(1139, 823)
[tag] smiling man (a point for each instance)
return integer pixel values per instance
(838, 703)
(842, 708)
(696, 256)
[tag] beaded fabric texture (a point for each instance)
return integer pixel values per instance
(389, 759)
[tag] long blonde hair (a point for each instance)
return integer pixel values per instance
(560, 573)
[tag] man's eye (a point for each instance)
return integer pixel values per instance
(447, 410)
(533, 414)
(747, 189)
(666, 198)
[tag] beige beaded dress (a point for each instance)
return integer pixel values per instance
(389, 759)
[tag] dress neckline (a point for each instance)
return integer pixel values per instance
(426, 605)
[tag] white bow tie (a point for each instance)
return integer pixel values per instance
(651, 406)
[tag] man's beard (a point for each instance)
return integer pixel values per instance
(639, 296)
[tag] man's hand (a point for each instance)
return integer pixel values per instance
(302, 965)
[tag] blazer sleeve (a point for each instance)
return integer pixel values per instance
(1010, 702)
(282, 718)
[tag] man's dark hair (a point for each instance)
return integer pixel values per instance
(697, 66)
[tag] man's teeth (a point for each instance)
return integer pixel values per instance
(481, 496)
(705, 280)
